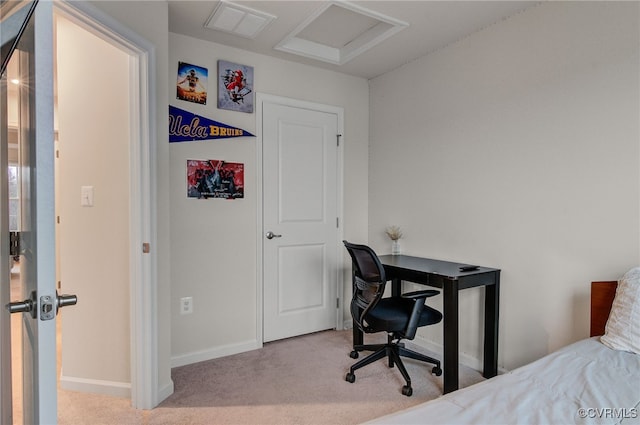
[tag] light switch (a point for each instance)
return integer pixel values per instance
(86, 196)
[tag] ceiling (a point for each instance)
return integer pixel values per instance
(360, 38)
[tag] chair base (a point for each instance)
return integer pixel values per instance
(394, 351)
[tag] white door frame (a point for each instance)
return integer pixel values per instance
(261, 99)
(142, 194)
(5, 332)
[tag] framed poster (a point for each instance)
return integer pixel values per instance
(214, 178)
(235, 86)
(192, 83)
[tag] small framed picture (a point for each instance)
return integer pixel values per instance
(215, 179)
(192, 83)
(235, 86)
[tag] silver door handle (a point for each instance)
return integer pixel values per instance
(271, 235)
(49, 306)
(26, 306)
(65, 300)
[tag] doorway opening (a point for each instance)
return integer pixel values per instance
(92, 208)
(92, 174)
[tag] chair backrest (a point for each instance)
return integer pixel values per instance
(369, 281)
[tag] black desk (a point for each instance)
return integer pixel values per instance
(447, 276)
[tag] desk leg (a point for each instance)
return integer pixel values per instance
(450, 319)
(491, 309)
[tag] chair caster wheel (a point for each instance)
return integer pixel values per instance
(354, 354)
(436, 371)
(350, 377)
(407, 390)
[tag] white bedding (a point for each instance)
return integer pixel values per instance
(582, 383)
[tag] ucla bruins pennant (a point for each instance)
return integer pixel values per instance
(187, 127)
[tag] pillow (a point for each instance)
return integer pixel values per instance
(622, 331)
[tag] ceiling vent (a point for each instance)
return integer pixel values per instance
(238, 20)
(339, 32)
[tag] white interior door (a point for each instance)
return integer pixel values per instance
(300, 222)
(5, 266)
(39, 304)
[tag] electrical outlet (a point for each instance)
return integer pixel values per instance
(186, 305)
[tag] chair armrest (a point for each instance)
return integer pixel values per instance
(421, 294)
(418, 297)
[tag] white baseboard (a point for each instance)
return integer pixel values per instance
(109, 388)
(465, 358)
(165, 392)
(227, 350)
(96, 386)
(437, 349)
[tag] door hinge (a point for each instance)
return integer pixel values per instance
(337, 222)
(337, 302)
(146, 248)
(14, 244)
(338, 136)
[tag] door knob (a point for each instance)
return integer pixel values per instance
(49, 306)
(20, 306)
(26, 306)
(271, 235)
(65, 300)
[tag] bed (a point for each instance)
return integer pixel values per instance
(586, 382)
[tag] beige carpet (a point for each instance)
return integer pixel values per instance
(294, 381)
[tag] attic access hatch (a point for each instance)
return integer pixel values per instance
(338, 32)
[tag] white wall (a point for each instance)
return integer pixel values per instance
(93, 117)
(213, 242)
(518, 148)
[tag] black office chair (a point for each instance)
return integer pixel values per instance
(400, 316)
